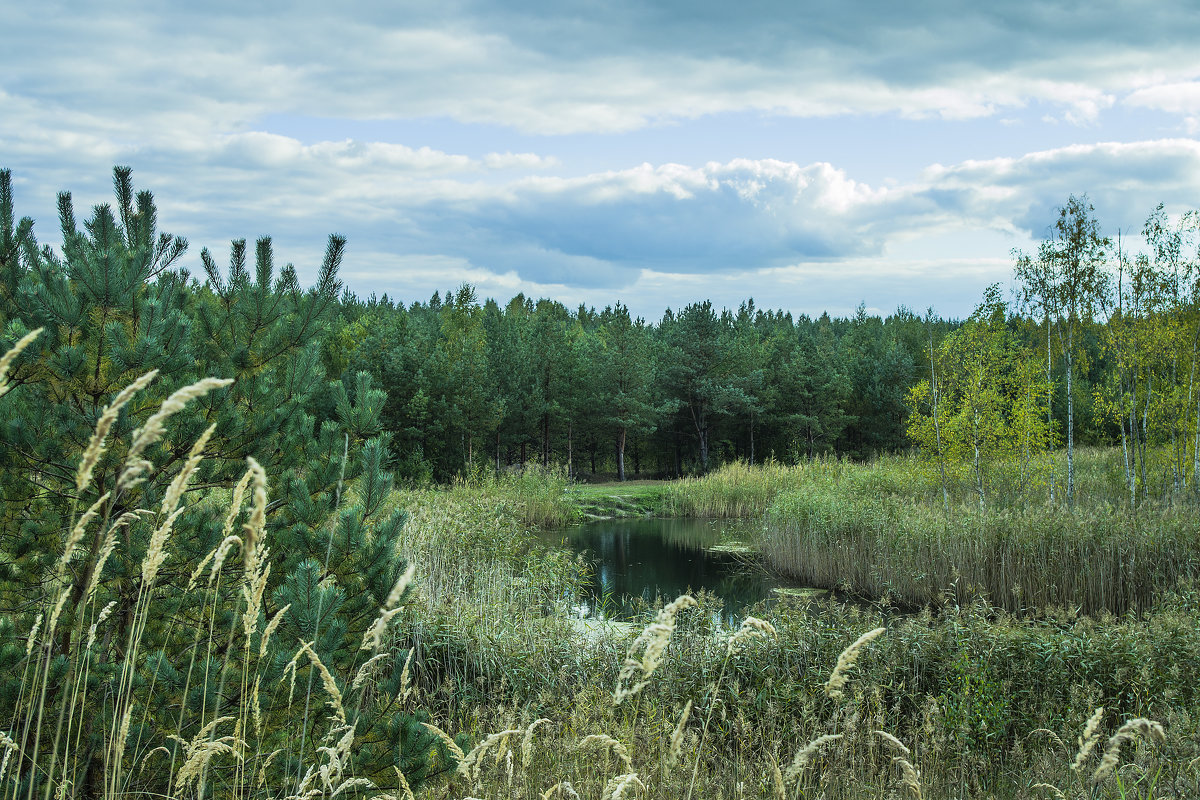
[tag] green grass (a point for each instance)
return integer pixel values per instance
(989, 702)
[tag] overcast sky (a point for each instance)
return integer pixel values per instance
(809, 155)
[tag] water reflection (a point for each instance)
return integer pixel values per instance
(645, 558)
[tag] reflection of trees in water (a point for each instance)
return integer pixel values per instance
(648, 558)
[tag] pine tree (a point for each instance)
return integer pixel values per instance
(181, 644)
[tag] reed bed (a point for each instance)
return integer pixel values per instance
(833, 534)
(733, 491)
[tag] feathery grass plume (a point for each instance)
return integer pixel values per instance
(331, 687)
(104, 614)
(1148, 729)
(156, 553)
(368, 667)
(451, 745)
(401, 586)
(338, 754)
(1088, 739)
(620, 786)
(222, 553)
(405, 689)
(527, 742)
(751, 628)
(256, 707)
(235, 503)
(469, 767)
(1050, 735)
(601, 741)
(373, 638)
(73, 539)
(289, 672)
(805, 754)
(10, 747)
(76, 534)
(909, 775)
(97, 445)
(33, 634)
(1054, 790)
(894, 743)
(145, 758)
(201, 749)
(403, 782)
(777, 781)
(8, 358)
(107, 547)
(179, 484)
(57, 610)
(118, 750)
(262, 770)
(677, 736)
(254, 551)
(352, 783)
(561, 789)
(253, 589)
(252, 530)
(135, 467)
(837, 681)
(272, 626)
(635, 673)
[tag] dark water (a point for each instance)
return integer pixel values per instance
(645, 558)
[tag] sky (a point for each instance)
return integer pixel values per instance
(811, 156)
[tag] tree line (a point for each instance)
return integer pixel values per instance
(482, 385)
(1097, 345)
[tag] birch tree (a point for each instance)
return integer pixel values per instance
(1068, 283)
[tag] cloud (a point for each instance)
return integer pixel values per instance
(580, 67)
(1123, 180)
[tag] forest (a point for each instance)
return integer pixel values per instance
(262, 539)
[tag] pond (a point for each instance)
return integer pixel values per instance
(665, 557)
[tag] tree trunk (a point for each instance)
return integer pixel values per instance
(1049, 396)
(1070, 430)
(546, 440)
(751, 438)
(570, 449)
(621, 455)
(937, 426)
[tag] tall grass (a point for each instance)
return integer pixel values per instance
(732, 491)
(211, 699)
(1017, 558)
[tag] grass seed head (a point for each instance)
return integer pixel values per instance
(751, 628)
(837, 681)
(527, 742)
(97, 444)
(10, 356)
(1148, 729)
(135, 467)
(805, 754)
(1088, 739)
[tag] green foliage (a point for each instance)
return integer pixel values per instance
(114, 306)
(984, 404)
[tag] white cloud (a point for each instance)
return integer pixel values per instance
(573, 68)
